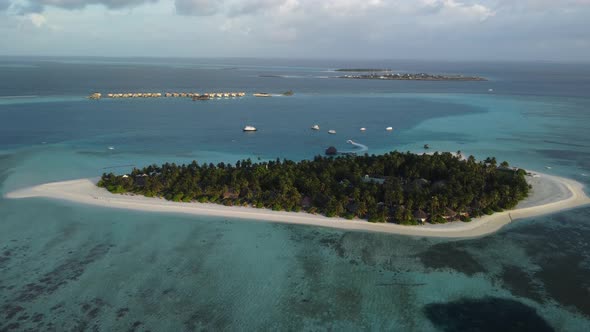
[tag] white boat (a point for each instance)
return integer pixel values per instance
(315, 127)
(111, 148)
(389, 128)
(363, 129)
(331, 131)
(249, 128)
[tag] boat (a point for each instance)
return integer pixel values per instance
(426, 146)
(249, 128)
(331, 131)
(261, 94)
(389, 128)
(363, 129)
(111, 147)
(315, 127)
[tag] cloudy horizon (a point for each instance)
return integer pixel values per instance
(537, 30)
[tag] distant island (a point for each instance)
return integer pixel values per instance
(363, 70)
(411, 77)
(402, 188)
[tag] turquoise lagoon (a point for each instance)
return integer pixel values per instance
(66, 266)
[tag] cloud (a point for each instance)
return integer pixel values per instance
(198, 7)
(38, 6)
(4, 4)
(457, 9)
(38, 20)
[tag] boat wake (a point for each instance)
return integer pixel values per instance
(361, 147)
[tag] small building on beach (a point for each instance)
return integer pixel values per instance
(420, 216)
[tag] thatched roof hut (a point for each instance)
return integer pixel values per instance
(420, 216)
(449, 214)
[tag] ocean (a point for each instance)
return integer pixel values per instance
(70, 267)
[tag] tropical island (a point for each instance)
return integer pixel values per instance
(363, 70)
(401, 188)
(412, 77)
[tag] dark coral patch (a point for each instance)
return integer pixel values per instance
(450, 255)
(486, 314)
(520, 283)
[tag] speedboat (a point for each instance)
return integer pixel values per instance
(249, 128)
(315, 127)
(363, 129)
(331, 131)
(389, 128)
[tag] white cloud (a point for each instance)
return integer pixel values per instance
(306, 28)
(37, 20)
(457, 10)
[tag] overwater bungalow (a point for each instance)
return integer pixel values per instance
(201, 97)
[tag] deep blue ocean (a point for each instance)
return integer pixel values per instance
(69, 267)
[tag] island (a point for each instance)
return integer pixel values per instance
(549, 194)
(401, 188)
(374, 70)
(412, 77)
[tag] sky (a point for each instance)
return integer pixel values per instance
(546, 30)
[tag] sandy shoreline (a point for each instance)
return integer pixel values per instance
(550, 194)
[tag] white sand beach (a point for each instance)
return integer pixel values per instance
(550, 194)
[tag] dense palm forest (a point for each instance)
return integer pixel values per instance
(396, 187)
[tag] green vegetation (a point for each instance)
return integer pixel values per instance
(396, 187)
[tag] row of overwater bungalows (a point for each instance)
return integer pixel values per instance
(169, 95)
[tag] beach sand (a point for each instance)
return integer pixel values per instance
(550, 194)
